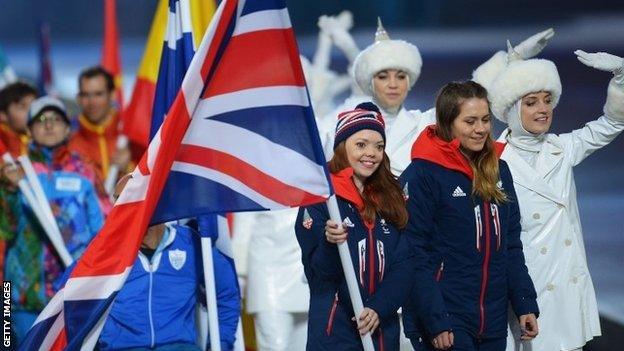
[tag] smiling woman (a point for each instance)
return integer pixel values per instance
(524, 94)
(370, 199)
(463, 213)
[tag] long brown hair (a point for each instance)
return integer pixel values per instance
(484, 163)
(382, 193)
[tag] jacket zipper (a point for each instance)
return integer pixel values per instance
(485, 269)
(332, 314)
(149, 306)
(438, 276)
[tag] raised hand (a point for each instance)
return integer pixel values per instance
(601, 60)
(534, 44)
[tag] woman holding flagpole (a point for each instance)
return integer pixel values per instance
(372, 205)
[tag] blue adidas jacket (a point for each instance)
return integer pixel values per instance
(382, 265)
(474, 248)
(156, 305)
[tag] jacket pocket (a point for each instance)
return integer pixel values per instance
(479, 226)
(440, 271)
(497, 225)
(332, 315)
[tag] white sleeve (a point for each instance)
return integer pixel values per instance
(582, 142)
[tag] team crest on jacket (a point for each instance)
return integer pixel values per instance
(307, 220)
(177, 258)
(405, 192)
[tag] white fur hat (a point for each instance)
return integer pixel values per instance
(386, 53)
(519, 78)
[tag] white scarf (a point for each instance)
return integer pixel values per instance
(519, 136)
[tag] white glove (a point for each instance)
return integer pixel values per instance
(604, 62)
(345, 20)
(534, 44)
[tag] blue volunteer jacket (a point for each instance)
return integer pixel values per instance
(382, 265)
(156, 305)
(474, 250)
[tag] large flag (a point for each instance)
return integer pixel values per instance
(44, 83)
(111, 59)
(240, 132)
(138, 114)
(7, 74)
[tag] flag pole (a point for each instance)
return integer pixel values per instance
(113, 171)
(349, 272)
(211, 294)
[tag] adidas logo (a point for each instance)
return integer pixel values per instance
(347, 223)
(458, 192)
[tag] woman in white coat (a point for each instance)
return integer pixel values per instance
(523, 95)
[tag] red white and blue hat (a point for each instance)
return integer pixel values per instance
(365, 116)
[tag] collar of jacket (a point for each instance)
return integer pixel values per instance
(99, 129)
(431, 148)
(345, 187)
(10, 133)
(57, 156)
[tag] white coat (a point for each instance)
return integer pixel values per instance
(275, 279)
(553, 239)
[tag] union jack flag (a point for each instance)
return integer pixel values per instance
(239, 136)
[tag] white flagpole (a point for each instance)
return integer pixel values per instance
(211, 294)
(349, 271)
(113, 171)
(54, 236)
(32, 178)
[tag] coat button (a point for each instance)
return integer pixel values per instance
(575, 280)
(544, 250)
(568, 242)
(550, 287)
(536, 216)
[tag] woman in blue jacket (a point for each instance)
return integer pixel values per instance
(372, 205)
(463, 212)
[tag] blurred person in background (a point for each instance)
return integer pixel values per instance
(67, 179)
(99, 122)
(15, 100)
(155, 308)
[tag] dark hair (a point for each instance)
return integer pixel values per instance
(484, 163)
(13, 93)
(382, 193)
(95, 71)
